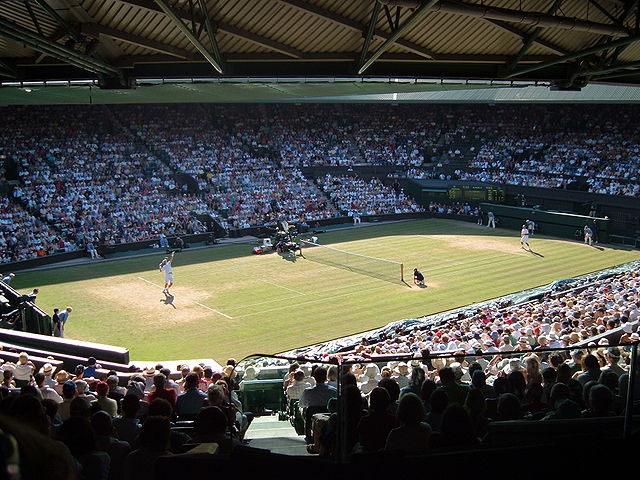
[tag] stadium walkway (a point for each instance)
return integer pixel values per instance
(278, 436)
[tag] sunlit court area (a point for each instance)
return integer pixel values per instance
(268, 238)
(228, 302)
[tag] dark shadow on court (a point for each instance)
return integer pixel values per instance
(536, 253)
(386, 277)
(168, 300)
(289, 256)
(597, 248)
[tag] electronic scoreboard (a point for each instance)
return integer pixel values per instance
(476, 193)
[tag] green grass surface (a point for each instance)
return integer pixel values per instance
(277, 304)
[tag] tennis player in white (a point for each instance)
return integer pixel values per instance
(165, 266)
(524, 237)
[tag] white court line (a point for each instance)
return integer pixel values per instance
(279, 286)
(150, 283)
(310, 301)
(319, 292)
(260, 280)
(201, 305)
(214, 310)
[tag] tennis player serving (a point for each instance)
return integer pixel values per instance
(165, 266)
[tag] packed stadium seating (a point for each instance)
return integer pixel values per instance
(351, 194)
(556, 321)
(552, 377)
(116, 174)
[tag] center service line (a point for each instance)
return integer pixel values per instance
(214, 310)
(199, 304)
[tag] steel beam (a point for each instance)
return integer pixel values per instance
(369, 35)
(605, 59)
(532, 37)
(81, 16)
(39, 43)
(613, 68)
(583, 53)
(507, 27)
(34, 19)
(210, 30)
(168, 11)
(529, 18)
(61, 21)
(353, 25)
(223, 27)
(415, 17)
(95, 30)
(320, 58)
(635, 73)
(607, 14)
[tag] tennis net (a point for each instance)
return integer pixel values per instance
(371, 266)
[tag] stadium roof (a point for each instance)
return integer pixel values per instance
(291, 91)
(567, 43)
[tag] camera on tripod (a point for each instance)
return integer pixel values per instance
(284, 238)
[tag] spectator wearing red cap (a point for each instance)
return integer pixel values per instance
(169, 394)
(107, 404)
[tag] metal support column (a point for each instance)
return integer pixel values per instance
(186, 31)
(41, 44)
(210, 32)
(411, 21)
(531, 38)
(61, 21)
(574, 56)
(369, 35)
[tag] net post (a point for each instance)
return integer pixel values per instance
(402, 272)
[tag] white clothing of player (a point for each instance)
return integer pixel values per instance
(588, 235)
(491, 220)
(165, 267)
(524, 237)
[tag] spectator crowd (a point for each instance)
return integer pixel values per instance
(538, 361)
(107, 175)
(454, 380)
(94, 424)
(366, 197)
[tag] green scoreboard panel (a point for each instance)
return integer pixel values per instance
(477, 193)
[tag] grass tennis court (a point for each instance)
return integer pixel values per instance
(228, 302)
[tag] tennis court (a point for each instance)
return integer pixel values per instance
(227, 302)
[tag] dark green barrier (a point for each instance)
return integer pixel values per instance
(35, 320)
(257, 395)
(547, 223)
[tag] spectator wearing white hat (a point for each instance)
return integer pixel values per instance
(369, 380)
(612, 356)
(401, 374)
(47, 370)
(24, 370)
